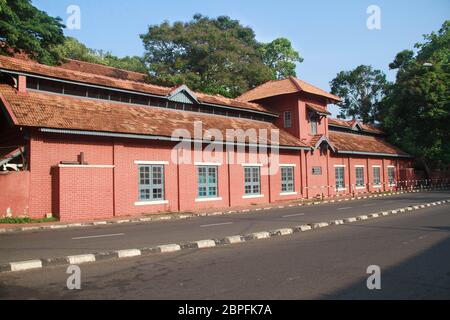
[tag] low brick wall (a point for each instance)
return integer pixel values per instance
(84, 193)
(14, 194)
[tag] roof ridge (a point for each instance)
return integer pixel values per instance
(103, 66)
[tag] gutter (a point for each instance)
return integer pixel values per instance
(375, 154)
(162, 138)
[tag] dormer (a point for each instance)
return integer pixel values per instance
(302, 107)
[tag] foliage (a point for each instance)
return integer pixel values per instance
(280, 57)
(22, 220)
(416, 111)
(216, 56)
(361, 89)
(73, 49)
(27, 29)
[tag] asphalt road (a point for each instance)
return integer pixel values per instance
(58, 243)
(412, 250)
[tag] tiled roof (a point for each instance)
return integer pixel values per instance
(97, 76)
(102, 70)
(285, 86)
(358, 143)
(350, 123)
(45, 110)
(319, 109)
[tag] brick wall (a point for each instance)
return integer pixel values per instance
(14, 197)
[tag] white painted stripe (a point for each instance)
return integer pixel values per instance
(344, 208)
(26, 265)
(293, 215)
(205, 244)
(83, 258)
(128, 253)
(169, 248)
(234, 239)
(100, 236)
(215, 224)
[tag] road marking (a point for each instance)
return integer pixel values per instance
(345, 208)
(100, 236)
(215, 224)
(293, 215)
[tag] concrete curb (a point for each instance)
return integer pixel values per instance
(200, 244)
(195, 215)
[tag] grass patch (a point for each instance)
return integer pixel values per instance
(25, 220)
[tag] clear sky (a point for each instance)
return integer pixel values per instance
(331, 35)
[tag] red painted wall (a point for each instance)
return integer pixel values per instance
(14, 193)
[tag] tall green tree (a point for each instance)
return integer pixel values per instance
(362, 90)
(73, 49)
(25, 28)
(216, 56)
(416, 111)
(281, 58)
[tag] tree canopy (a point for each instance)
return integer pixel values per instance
(73, 49)
(416, 110)
(25, 28)
(216, 56)
(362, 90)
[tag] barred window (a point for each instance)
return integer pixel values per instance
(391, 175)
(359, 176)
(317, 171)
(376, 176)
(287, 119)
(207, 181)
(340, 178)
(252, 180)
(151, 182)
(287, 179)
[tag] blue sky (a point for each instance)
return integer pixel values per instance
(330, 35)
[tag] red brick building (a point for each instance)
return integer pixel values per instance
(91, 142)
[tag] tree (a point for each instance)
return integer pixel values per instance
(216, 56)
(281, 58)
(362, 90)
(73, 49)
(416, 111)
(25, 28)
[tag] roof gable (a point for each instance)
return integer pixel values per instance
(183, 94)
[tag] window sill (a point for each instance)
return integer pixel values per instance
(288, 194)
(378, 186)
(253, 196)
(341, 189)
(208, 199)
(360, 188)
(150, 203)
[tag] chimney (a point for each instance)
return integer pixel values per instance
(22, 84)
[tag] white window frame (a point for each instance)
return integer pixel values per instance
(287, 182)
(379, 176)
(391, 184)
(151, 201)
(207, 184)
(359, 186)
(343, 167)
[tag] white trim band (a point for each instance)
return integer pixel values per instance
(253, 196)
(151, 162)
(211, 164)
(252, 165)
(288, 193)
(100, 166)
(150, 203)
(208, 199)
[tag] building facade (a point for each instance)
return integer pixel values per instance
(84, 141)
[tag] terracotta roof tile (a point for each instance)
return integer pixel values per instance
(318, 108)
(102, 70)
(37, 109)
(285, 86)
(99, 76)
(350, 123)
(358, 143)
